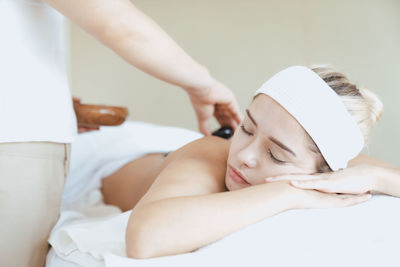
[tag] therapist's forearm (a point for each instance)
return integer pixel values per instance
(138, 39)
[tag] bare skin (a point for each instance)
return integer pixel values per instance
(136, 38)
(126, 187)
(220, 183)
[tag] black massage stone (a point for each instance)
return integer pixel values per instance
(225, 132)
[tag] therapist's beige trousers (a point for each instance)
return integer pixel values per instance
(32, 176)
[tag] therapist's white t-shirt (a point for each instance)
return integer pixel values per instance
(35, 101)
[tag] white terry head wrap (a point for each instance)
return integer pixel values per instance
(319, 110)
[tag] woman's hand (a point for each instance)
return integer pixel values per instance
(307, 199)
(358, 179)
(218, 101)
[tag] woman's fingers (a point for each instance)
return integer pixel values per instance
(290, 178)
(323, 185)
(349, 181)
(310, 184)
(352, 200)
(331, 200)
(353, 187)
(316, 199)
(315, 182)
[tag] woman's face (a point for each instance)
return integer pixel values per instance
(270, 142)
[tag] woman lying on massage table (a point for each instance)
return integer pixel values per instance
(296, 128)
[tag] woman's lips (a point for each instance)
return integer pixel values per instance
(236, 176)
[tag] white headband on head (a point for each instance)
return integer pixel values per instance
(317, 108)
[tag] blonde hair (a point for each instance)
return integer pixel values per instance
(362, 104)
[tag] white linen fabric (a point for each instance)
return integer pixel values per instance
(35, 101)
(319, 110)
(363, 235)
(97, 154)
(92, 234)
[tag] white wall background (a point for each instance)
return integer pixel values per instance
(243, 43)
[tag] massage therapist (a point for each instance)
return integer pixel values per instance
(36, 114)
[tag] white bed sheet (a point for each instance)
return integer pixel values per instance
(363, 235)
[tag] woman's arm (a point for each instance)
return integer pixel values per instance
(185, 208)
(385, 177)
(182, 224)
(363, 174)
(388, 181)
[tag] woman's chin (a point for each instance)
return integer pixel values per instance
(232, 185)
(228, 184)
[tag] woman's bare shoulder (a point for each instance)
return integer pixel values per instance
(197, 168)
(209, 148)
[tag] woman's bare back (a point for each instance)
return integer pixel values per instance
(126, 187)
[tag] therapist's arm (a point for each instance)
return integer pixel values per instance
(119, 25)
(138, 39)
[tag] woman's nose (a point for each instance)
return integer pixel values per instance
(248, 157)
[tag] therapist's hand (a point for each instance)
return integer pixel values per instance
(357, 179)
(138, 39)
(218, 101)
(83, 129)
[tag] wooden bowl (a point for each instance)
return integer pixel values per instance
(98, 115)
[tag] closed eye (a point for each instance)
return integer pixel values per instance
(278, 161)
(245, 131)
(274, 158)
